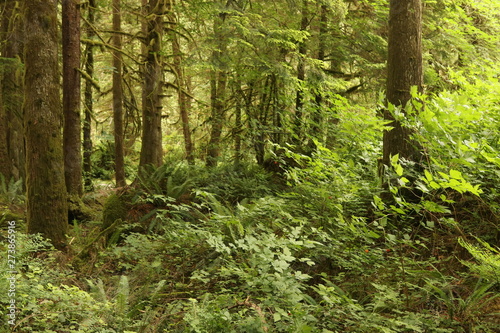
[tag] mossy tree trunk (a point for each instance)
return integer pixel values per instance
(316, 130)
(4, 156)
(47, 211)
(218, 84)
(12, 152)
(118, 96)
(151, 149)
(88, 97)
(71, 97)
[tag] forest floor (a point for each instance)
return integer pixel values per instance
(237, 251)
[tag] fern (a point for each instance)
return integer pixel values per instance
(12, 190)
(488, 258)
(122, 297)
(167, 180)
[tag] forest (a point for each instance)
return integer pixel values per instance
(250, 166)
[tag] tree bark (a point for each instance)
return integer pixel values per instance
(301, 75)
(47, 211)
(151, 149)
(218, 82)
(317, 116)
(71, 96)
(88, 99)
(238, 129)
(12, 151)
(118, 97)
(404, 70)
(4, 154)
(182, 87)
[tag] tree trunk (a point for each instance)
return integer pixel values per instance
(71, 96)
(5, 167)
(88, 99)
(118, 97)
(404, 66)
(182, 87)
(151, 149)
(238, 129)
(301, 75)
(218, 82)
(317, 117)
(12, 152)
(47, 211)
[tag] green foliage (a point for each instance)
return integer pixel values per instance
(169, 180)
(488, 257)
(470, 310)
(103, 160)
(46, 299)
(12, 191)
(317, 248)
(114, 209)
(236, 183)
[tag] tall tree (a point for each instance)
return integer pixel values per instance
(181, 82)
(151, 149)
(88, 96)
(301, 75)
(47, 211)
(218, 84)
(404, 71)
(71, 96)
(12, 152)
(118, 96)
(316, 130)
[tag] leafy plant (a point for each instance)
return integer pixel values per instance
(470, 310)
(236, 183)
(488, 258)
(12, 190)
(168, 180)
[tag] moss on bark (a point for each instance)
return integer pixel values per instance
(47, 209)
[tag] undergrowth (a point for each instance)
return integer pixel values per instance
(232, 249)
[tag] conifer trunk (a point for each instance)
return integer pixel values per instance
(47, 211)
(404, 70)
(118, 97)
(238, 129)
(4, 155)
(317, 117)
(182, 86)
(301, 75)
(88, 99)
(151, 149)
(71, 96)
(12, 152)
(218, 82)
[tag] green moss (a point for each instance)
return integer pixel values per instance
(78, 210)
(114, 209)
